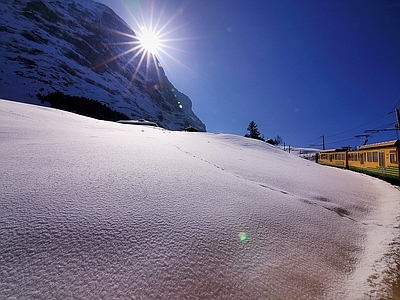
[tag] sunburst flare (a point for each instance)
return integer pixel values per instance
(152, 41)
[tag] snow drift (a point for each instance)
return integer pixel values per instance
(94, 209)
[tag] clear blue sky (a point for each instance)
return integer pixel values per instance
(299, 69)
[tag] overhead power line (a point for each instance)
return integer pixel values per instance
(379, 128)
(360, 125)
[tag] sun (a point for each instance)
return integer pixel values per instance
(149, 41)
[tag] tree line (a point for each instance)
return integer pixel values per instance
(82, 105)
(254, 133)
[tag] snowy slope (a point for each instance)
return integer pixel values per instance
(98, 210)
(82, 48)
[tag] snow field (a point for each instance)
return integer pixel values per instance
(93, 209)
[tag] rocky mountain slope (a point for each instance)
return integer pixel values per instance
(77, 48)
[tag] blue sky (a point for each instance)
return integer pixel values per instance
(299, 69)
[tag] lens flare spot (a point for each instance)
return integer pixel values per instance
(242, 236)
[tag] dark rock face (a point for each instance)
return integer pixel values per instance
(78, 49)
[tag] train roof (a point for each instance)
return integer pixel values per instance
(381, 145)
(333, 150)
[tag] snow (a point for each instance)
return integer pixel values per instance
(93, 209)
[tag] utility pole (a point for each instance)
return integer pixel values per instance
(396, 127)
(323, 143)
(398, 122)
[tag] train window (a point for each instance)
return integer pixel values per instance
(369, 157)
(382, 159)
(393, 158)
(339, 156)
(375, 156)
(361, 157)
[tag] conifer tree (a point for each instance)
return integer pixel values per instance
(254, 133)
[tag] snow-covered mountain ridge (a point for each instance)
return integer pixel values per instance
(69, 46)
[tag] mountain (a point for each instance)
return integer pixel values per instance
(77, 48)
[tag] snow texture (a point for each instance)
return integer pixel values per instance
(99, 210)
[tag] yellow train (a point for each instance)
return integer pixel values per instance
(381, 160)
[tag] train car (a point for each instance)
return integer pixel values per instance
(333, 157)
(380, 159)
